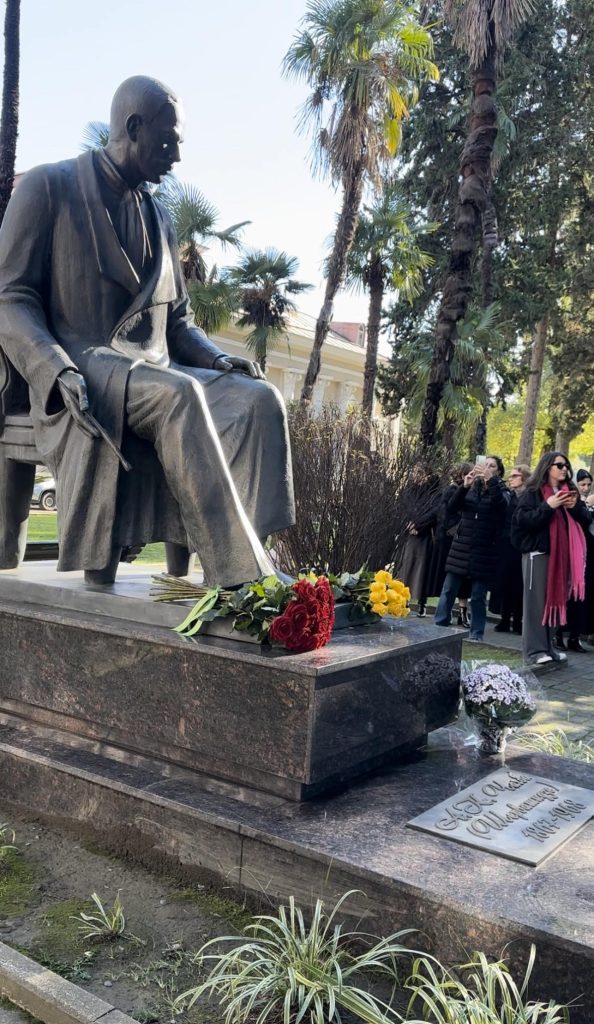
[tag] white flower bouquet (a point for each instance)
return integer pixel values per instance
(496, 694)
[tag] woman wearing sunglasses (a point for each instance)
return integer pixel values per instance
(548, 528)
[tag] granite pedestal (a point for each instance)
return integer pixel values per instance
(104, 665)
(195, 755)
(458, 898)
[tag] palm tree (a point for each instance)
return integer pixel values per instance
(361, 59)
(194, 219)
(264, 279)
(483, 29)
(213, 298)
(385, 255)
(9, 119)
(214, 301)
(466, 393)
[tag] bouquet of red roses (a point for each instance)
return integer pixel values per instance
(298, 615)
(308, 619)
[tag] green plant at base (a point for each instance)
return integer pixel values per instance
(487, 995)
(105, 924)
(18, 890)
(298, 971)
(217, 903)
(559, 743)
(6, 843)
(76, 970)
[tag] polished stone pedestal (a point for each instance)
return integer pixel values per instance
(459, 899)
(103, 665)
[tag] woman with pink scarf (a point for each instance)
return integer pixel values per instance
(548, 528)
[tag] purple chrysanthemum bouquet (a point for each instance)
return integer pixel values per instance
(495, 693)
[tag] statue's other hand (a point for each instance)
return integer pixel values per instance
(73, 389)
(241, 364)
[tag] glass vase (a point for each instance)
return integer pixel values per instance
(492, 736)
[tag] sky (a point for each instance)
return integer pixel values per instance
(241, 149)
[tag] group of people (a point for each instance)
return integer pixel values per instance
(526, 545)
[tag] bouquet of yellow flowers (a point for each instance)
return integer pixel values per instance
(388, 596)
(372, 593)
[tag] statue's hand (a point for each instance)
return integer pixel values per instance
(238, 363)
(73, 389)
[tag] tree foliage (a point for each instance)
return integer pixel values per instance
(542, 196)
(387, 255)
(265, 282)
(362, 60)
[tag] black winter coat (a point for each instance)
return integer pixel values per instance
(475, 547)
(532, 519)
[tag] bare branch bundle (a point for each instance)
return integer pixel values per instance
(354, 493)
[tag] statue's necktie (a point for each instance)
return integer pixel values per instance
(131, 229)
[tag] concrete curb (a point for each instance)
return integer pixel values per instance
(50, 998)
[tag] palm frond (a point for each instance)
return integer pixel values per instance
(264, 280)
(95, 135)
(214, 303)
(363, 60)
(387, 242)
(195, 217)
(230, 235)
(471, 21)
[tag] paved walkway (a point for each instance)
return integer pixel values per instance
(568, 690)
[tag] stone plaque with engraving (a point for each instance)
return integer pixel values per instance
(512, 814)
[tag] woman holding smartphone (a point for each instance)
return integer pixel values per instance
(481, 501)
(548, 528)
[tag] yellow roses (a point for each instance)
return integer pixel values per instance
(388, 596)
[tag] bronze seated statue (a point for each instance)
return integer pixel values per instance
(103, 365)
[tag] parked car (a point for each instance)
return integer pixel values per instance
(44, 494)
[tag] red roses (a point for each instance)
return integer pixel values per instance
(307, 621)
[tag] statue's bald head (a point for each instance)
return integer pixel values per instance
(138, 95)
(146, 129)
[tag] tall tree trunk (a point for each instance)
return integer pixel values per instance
(592, 465)
(563, 439)
(489, 224)
(490, 229)
(343, 240)
(376, 297)
(9, 119)
(473, 198)
(539, 345)
(480, 434)
(449, 435)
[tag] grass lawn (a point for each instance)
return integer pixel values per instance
(486, 652)
(44, 526)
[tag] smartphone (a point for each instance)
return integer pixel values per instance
(480, 460)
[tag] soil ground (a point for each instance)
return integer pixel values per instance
(50, 879)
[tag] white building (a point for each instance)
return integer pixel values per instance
(343, 362)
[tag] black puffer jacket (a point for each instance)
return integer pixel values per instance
(475, 547)
(530, 528)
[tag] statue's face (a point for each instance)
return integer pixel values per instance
(157, 143)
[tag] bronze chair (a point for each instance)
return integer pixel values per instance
(18, 458)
